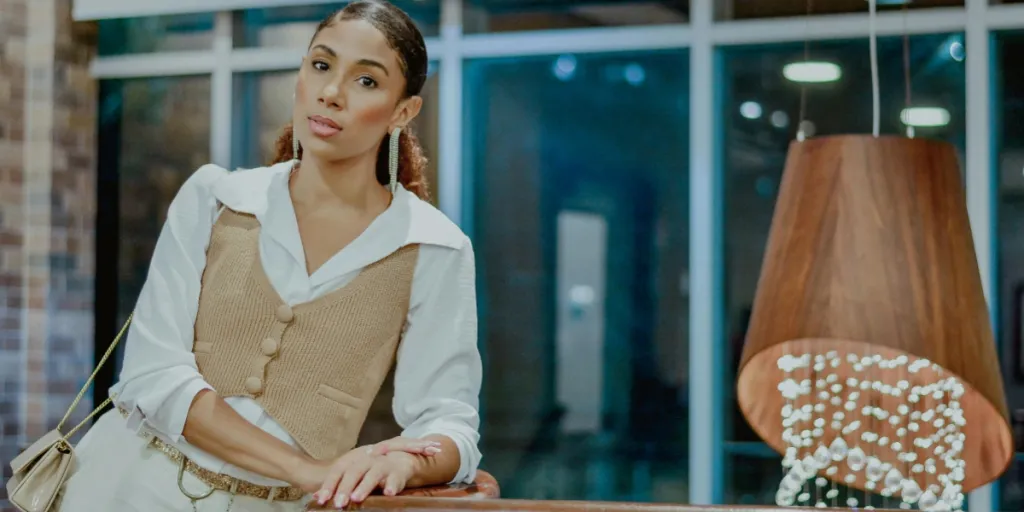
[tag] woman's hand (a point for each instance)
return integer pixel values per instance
(353, 476)
(406, 444)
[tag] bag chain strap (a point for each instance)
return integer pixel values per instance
(88, 383)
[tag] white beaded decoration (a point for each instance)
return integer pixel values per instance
(895, 428)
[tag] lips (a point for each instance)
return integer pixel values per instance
(323, 127)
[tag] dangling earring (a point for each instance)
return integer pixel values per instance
(295, 140)
(393, 158)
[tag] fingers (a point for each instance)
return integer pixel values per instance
(352, 476)
(393, 484)
(408, 445)
(370, 481)
(330, 483)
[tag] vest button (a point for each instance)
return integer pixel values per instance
(254, 385)
(284, 313)
(269, 347)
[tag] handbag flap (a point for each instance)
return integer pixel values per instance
(25, 459)
(39, 487)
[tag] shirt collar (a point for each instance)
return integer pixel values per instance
(263, 192)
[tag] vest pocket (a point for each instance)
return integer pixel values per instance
(339, 396)
(339, 412)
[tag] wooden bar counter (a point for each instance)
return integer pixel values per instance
(485, 495)
(430, 504)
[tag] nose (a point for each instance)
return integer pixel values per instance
(332, 96)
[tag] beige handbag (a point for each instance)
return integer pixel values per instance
(39, 473)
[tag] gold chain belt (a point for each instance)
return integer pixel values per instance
(227, 483)
(220, 481)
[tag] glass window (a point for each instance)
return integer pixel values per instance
(263, 105)
(512, 15)
(186, 32)
(1010, 108)
(746, 9)
(153, 134)
(761, 113)
(577, 176)
(293, 25)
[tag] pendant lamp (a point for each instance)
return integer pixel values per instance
(869, 360)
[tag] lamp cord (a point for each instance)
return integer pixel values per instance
(875, 108)
(800, 134)
(906, 68)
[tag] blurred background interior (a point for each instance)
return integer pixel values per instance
(615, 163)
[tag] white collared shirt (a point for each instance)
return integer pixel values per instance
(438, 372)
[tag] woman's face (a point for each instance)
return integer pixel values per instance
(349, 92)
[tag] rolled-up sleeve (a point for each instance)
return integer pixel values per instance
(159, 377)
(438, 373)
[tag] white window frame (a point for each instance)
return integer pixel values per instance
(702, 36)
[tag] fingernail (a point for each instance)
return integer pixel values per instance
(340, 500)
(435, 443)
(433, 450)
(320, 497)
(358, 497)
(389, 492)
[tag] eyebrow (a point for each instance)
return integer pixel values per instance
(362, 62)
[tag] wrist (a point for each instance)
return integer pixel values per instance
(409, 464)
(303, 471)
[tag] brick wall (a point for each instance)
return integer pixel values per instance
(47, 218)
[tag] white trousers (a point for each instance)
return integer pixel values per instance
(117, 471)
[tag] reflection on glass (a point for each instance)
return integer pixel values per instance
(294, 25)
(762, 110)
(578, 178)
(507, 16)
(1011, 251)
(185, 32)
(162, 135)
(263, 105)
(747, 9)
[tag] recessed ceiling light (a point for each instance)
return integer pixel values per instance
(812, 72)
(564, 67)
(780, 119)
(956, 51)
(634, 74)
(924, 116)
(751, 110)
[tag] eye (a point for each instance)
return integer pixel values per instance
(367, 82)
(320, 65)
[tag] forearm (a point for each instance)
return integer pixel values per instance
(436, 469)
(216, 428)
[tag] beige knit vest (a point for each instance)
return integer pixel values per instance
(316, 367)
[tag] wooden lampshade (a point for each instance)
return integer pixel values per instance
(869, 359)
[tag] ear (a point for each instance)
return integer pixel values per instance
(406, 111)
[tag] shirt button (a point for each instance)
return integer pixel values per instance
(285, 314)
(269, 347)
(254, 385)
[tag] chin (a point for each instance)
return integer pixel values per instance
(319, 148)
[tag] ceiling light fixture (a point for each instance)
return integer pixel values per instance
(924, 116)
(812, 72)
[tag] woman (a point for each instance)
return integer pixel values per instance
(278, 299)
